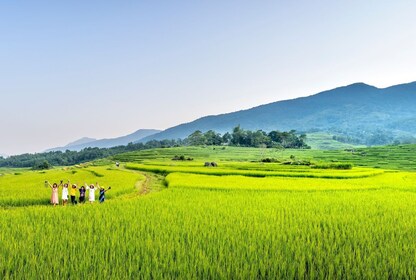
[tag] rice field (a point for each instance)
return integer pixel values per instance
(228, 224)
(389, 181)
(251, 172)
(27, 187)
(401, 157)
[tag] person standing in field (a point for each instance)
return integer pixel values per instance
(102, 193)
(82, 191)
(65, 194)
(91, 192)
(54, 196)
(73, 193)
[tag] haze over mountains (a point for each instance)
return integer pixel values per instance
(81, 141)
(357, 110)
(106, 143)
(358, 113)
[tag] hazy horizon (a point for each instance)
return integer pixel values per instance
(104, 69)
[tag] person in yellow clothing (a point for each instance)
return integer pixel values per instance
(73, 193)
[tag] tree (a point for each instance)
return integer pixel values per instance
(238, 136)
(259, 138)
(196, 139)
(212, 138)
(42, 165)
(226, 138)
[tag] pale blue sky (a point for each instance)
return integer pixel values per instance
(70, 69)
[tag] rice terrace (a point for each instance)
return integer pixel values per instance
(243, 219)
(207, 140)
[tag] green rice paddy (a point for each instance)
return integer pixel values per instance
(244, 219)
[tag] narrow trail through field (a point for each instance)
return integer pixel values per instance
(151, 183)
(145, 185)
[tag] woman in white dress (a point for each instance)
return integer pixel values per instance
(91, 192)
(65, 194)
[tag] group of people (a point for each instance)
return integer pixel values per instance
(72, 192)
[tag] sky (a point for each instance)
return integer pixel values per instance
(103, 69)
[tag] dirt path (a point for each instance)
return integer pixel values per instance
(152, 182)
(144, 187)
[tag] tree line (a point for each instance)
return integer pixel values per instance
(247, 138)
(238, 137)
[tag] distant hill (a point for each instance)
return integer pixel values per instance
(106, 143)
(358, 110)
(81, 141)
(325, 141)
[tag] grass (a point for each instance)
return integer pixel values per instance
(28, 187)
(397, 181)
(193, 233)
(215, 223)
(324, 141)
(401, 157)
(305, 172)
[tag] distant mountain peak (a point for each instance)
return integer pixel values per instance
(358, 86)
(81, 141)
(357, 109)
(107, 143)
(353, 109)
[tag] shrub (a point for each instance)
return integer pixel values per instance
(268, 160)
(182, 158)
(339, 165)
(42, 165)
(301, 162)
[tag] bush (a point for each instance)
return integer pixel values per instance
(269, 160)
(339, 166)
(42, 165)
(301, 162)
(297, 162)
(182, 158)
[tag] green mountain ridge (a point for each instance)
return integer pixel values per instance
(358, 110)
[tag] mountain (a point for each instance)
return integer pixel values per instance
(81, 141)
(106, 143)
(358, 110)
